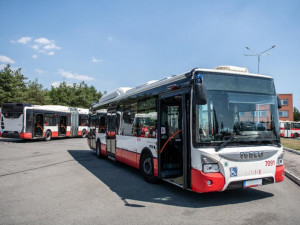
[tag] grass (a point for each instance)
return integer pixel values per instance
(291, 143)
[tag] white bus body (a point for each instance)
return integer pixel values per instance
(229, 140)
(289, 129)
(25, 121)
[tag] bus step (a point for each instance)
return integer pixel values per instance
(170, 173)
(171, 166)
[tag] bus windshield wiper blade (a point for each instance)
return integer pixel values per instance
(224, 144)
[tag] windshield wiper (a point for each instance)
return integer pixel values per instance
(224, 144)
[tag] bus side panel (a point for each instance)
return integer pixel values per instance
(53, 129)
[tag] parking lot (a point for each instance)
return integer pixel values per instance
(63, 182)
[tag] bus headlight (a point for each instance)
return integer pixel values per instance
(280, 160)
(211, 168)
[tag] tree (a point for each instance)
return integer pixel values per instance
(35, 94)
(13, 88)
(296, 114)
(12, 85)
(77, 95)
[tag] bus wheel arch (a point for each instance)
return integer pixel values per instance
(83, 134)
(296, 135)
(48, 135)
(147, 166)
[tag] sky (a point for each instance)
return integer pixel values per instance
(125, 43)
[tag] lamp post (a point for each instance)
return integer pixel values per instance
(259, 55)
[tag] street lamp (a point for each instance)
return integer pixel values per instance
(259, 55)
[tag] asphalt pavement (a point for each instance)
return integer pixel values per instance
(292, 164)
(63, 182)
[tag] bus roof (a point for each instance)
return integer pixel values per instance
(124, 92)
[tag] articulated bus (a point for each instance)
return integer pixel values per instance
(26, 121)
(289, 129)
(205, 130)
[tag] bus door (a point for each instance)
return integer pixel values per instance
(38, 127)
(74, 122)
(111, 134)
(287, 130)
(62, 125)
(173, 155)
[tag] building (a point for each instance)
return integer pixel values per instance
(286, 113)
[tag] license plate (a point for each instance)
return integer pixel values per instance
(252, 183)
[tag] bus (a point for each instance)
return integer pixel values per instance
(289, 129)
(205, 130)
(26, 121)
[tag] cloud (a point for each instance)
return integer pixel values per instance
(34, 56)
(45, 46)
(5, 59)
(94, 60)
(38, 71)
(55, 84)
(43, 41)
(51, 46)
(24, 40)
(109, 38)
(2, 66)
(74, 76)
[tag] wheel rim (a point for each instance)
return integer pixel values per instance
(147, 166)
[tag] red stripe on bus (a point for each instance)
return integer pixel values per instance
(68, 134)
(155, 164)
(0, 134)
(128, 157)
(54, 134)
(24, 135)
(279, 174)
(295, 129)
(103, 149)
(199, 181)
(79, 133)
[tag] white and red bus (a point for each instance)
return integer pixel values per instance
(289, 129)
(26, 121)
(204, 130)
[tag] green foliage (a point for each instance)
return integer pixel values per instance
(296, 114)
(12, 85)
(13, 88)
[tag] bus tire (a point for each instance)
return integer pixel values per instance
(48, 135)
(147, 168)
(296, 135)
(98, 150)
(83, 134)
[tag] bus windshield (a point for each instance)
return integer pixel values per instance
(233, 119)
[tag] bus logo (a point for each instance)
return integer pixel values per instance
(233, 171)
(251, 155)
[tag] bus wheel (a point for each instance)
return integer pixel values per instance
(83, 134)
(296, 135)
(48, 135)
(98, 150)
(147, 169)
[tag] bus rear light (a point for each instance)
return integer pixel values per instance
(209, 182)
(211, 168)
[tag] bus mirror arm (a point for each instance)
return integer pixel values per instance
(199, 89)
(278, 102)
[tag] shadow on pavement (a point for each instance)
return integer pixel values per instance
(128, 184)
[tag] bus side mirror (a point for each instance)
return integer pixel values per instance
(278, 102)
(199, 90)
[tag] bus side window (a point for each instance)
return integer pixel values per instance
(102, 126)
